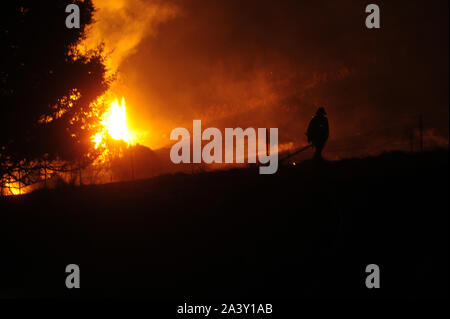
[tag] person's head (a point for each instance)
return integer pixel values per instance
(321, 111)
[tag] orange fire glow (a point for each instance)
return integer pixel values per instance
(114, 124)
(15, 188)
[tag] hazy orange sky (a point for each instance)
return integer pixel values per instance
(272, 63)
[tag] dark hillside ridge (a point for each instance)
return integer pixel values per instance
(308, 231)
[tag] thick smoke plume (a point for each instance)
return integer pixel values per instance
(120, 25)
(272, 64)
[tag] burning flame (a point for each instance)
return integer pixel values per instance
(15, 188)
(115, 124)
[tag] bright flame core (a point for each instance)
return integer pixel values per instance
(115, 125)
(116, 122)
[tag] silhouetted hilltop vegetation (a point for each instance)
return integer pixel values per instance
(309, 230)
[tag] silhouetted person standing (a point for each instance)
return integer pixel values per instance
(318, 132)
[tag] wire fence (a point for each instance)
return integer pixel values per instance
(410, 137)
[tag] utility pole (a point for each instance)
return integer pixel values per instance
(79, 170)
(411, 140)
(20, 178)
(132, 161)
(45, 173)
(110, 167)
(421, 131)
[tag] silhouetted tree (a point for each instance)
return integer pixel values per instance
(46, 89)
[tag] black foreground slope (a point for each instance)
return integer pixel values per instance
(308, 231)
